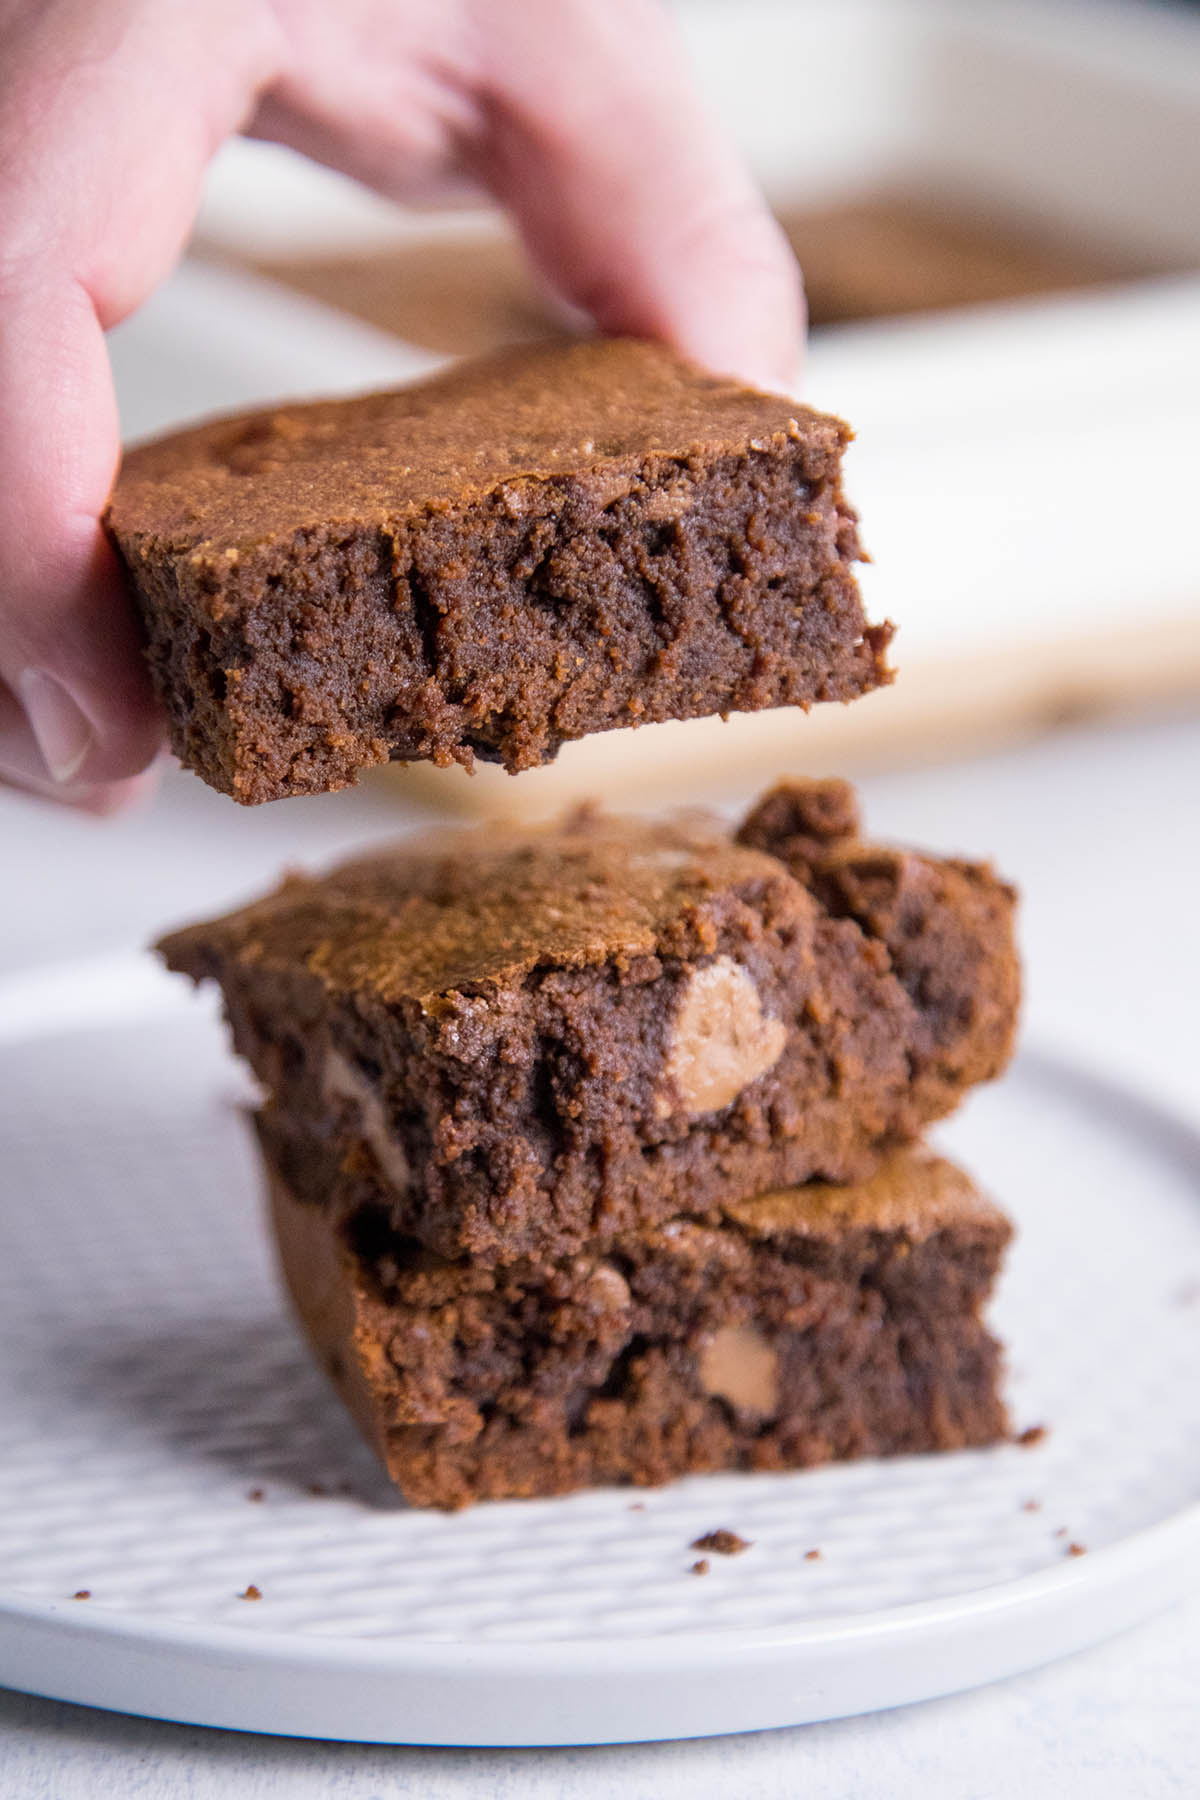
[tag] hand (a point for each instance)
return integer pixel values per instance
(577, 114)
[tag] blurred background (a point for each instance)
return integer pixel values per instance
(998, 213)
(997, 210)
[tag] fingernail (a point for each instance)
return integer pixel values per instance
(64, 734)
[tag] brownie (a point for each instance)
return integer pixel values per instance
(536, 1039)
(807, 1325)
(534, 546)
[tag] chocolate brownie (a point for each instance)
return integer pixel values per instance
(535, 546)
(807, 1325)
(542, 1038)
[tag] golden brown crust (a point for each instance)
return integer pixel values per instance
(478, 909)
(333, 1304)
(915, 1193)
(593, 410)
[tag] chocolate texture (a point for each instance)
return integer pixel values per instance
(809, 1325)
(535, 1041)
(542, 544)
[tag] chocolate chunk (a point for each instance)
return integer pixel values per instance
(720, 1041)
(739, 1365)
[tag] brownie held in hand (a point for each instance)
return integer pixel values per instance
(535, 1040)
(546, 543)
(803, 1326)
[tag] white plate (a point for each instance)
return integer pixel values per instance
(151, 1382)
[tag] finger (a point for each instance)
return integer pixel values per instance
(98, 192)
(380, 91)
(581, 116)
(104, 800)
(23, 767)
(631, 199)
(69, 643)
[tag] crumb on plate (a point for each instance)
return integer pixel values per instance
(725, 1543)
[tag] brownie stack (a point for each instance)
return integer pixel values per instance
(594, 1151)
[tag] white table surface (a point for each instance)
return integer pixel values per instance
(1099, 826)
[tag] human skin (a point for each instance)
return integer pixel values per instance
(578, 115)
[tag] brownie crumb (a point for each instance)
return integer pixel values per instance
(700, 1566)
(82, 1594)
(251, 1593)
(812, 1556)
(725, 1543)
(1076, 1549)
(1032, 1434)
(1031, 1506)
(257, 1494)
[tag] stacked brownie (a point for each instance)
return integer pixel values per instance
(593, 1150)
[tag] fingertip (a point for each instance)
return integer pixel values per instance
(77, 710)
(51, 745)
(126, 749)
(633, 199)
(113, 798)
(740, 309)
(100, 800)
(62, 732)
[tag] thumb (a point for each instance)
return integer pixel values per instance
(69, 643)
